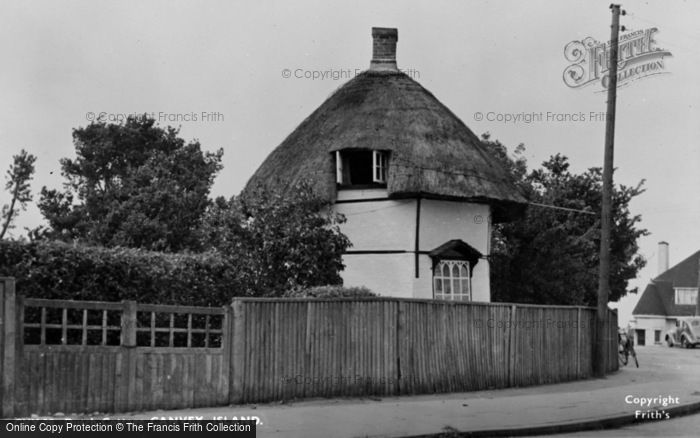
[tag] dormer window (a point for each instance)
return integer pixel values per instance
(361, 168)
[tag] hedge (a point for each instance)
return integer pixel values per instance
(57, 270)
(330, 291)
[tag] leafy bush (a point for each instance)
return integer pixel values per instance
(280, 240)
(259, 246)
(57, 270)
(330, 291)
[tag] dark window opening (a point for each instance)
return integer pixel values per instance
(640, 337)
(361, 168)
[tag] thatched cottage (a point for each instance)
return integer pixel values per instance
(418, 188)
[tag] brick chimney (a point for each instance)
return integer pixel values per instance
(663, 257)
(384, 49)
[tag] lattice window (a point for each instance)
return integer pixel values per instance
(172, 326)
(53, 322)
(92, 323)
(451, 280)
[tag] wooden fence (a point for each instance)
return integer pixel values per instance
(323, 348)
(78, 356)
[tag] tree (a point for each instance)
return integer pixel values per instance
(19, 175)
(280, 242)
(551, 256)
(132, 184)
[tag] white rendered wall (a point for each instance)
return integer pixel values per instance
(441, 221)
(380, 225)
(390, 225)
(423, 286)
(651, 323)
(389, 275)
(384, 225)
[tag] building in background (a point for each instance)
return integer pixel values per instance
(672, 294)
(419, 190)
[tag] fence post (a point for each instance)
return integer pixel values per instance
(8, 321)
(127, 386)
(237, 340)
(226, 335)
(578, 342)
(402, 384)
(511, 347)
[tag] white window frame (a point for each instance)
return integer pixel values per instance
(338, 168)
(440, 281)
(686, 295)
(380, 160)
(379, 165)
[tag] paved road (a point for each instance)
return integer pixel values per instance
(680, 427)
(665, 363)
(670, 373)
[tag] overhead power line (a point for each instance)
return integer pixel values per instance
(556, 207)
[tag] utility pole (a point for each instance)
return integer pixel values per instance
(600, 363)
(697, 296)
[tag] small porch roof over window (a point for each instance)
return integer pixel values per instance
(456, 249)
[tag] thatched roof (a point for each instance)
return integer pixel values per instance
(433, 154)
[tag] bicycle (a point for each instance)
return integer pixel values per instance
(626, 349)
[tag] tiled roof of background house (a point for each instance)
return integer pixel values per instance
(650, 303)
(684, 274)
(659, 296)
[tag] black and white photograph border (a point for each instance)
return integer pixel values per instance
(350, 219)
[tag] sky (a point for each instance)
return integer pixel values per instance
(218, 69)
